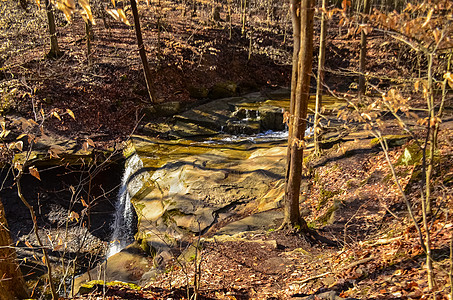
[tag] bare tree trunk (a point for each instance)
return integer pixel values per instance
(320, 77)
(244, 15)
(12, 284)
(427, 165)
(230, 18)
(142, 51)
(363, 50)
(299, 106)
(54, 49)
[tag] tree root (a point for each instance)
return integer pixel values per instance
(311, 236)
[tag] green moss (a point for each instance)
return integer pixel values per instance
(328, 215)
(93, 285)
(393, 140)
(301, 250)
(146, 248)
(412, 155)
(312, 225)
(324, 196)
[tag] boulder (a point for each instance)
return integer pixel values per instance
(223, 90)
(167, 109)
(198, 92)
(271, 118)
(130, 265)
(242, 127)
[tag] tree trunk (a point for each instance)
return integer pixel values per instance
(363, 50)
(12, 284)
(54, 49)
(142, 51)
(302, 65)
(320, 77)
(243, 15)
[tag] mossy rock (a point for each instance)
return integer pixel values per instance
(189, 254)
(249, 127)
(331, 139)
(393, 140)
(167, 109)
(328, 216)
(271, 118)
(94, 285)
(198, 92)
(324, 197)
(411, 156)
(223, 90)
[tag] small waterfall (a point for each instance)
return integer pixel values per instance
(122, 225)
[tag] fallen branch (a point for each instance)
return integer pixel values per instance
(380, 242)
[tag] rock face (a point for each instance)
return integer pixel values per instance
(249, 114)
(202, 183)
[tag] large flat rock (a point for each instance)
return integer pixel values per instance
(192, 186)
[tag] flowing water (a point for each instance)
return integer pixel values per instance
(122, 225)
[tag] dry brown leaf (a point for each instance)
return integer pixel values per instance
(70, 111)
(91, 143)
(73, 215)
(56, 115)
(34, 172)
(123, 17)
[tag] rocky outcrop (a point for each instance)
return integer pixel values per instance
(249, 114)
(200, 184)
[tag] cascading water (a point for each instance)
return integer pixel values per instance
(122, 225)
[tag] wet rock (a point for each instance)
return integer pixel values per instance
(271, 118)
(128, 266)
(242, 127)
(167, 109)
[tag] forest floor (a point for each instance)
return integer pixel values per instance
(380, 255)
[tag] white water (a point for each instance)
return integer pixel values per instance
(122, 227)
(267, 136)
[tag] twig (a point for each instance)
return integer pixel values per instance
(388, 210)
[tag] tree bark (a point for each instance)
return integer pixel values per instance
(54, 49)
(363, 50)
(320, 77)
(12, 284)
(142, 51)
(300, 89)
